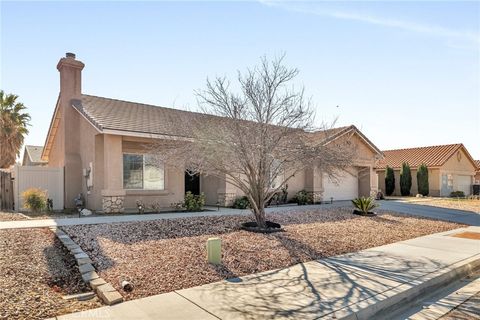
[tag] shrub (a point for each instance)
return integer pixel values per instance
(155, 207)
(35, 199)
(302, 197)
(405, 180)
(422, 180)
(194, 202)
(457, 194)
(241, 203)
(364, 204)
(140, 206)
(389, 181)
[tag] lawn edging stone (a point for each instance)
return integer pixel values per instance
(104, 290)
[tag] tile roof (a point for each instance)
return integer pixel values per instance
(137, 118)
(35, 153)
(432, 156)
(106, 113)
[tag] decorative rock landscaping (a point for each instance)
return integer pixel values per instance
(104, 290)
(165, 255)
(39, 277)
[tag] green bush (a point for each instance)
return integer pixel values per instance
(364, 204)
(194, 202)
(457, 194)
(303, 197)
(405, 180)
(35, 199)
(422, 180)
(241, 203)
(389, 181)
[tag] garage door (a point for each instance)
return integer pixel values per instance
(344, 188)
(463, 184)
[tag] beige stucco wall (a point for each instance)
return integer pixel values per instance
(462, 166)
(87, 141)
(57, 152)
(434, 182)
(211, 186)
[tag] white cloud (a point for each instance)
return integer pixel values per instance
(411, 26)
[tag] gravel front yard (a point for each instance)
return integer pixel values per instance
(459, 204)
(36, 271)
(166, 255)
(11, 216)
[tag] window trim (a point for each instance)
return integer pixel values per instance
(143, 171)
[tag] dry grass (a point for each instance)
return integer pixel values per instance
(166, 255)
(35, 272)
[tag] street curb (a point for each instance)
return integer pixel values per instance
(391, 300)
(104, 290)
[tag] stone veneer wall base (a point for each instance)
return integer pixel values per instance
(113, 204)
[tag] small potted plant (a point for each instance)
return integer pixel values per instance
(364, 206)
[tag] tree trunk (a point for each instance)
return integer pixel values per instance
(259, 212)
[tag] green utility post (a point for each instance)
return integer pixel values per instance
(214, 250)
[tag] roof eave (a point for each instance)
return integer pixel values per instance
(52, 129)
(351, 128)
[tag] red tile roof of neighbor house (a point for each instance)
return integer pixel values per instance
(432, 156)
(477, 162)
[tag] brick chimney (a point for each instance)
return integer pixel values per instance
(69, 135)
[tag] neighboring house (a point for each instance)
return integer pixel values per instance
(477, 172)
(450, 168)
(102, 144)
(32, 156)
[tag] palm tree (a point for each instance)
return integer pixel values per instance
(13, 128)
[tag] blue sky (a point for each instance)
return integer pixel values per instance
(406, 73)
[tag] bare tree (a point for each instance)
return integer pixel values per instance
(257, 137)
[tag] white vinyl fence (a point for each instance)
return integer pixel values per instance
(45, 178)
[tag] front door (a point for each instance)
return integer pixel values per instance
(192, 183)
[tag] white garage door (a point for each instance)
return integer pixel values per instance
(344, 188)
(463, 184)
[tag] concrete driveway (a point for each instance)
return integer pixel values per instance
(460, 216)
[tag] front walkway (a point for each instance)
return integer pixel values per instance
(358, 285)
(459, 216)
(214, 211)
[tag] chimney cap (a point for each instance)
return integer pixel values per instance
(70, 55)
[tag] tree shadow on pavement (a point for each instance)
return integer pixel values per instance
(313, 289)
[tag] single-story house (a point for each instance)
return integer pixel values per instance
(100, 143)
(450, 168)
(32, 156)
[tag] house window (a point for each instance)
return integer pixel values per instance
(142, 171)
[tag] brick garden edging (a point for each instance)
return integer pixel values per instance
(104, 290)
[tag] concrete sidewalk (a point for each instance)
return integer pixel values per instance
(213, 211)
(356, 286)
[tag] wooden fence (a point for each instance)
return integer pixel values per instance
(6, 191)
